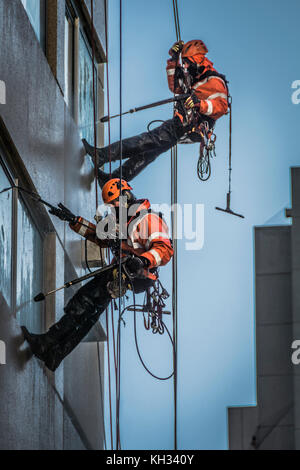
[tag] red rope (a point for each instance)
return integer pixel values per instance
(109, 381)
(94, 102)
(107, 85)
(96, 190)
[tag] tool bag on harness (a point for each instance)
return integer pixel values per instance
(200, 122)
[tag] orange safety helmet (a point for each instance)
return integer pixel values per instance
(193, 48)
(112, 189)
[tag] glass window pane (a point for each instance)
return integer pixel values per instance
(5, 238)
(33, 9)
(86, 110)
(69, 33)
(29, 272)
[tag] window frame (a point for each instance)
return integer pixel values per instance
(81, 27)
(42, 23)
(15, 178)
(97, 81)
(70, 16)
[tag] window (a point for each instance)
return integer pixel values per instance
(5, 239)
(29, 275)
(79, 71)
(21, 254)
(36, 11)
(85, 92)
(69, 58)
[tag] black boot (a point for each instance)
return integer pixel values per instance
(130, 168)
(82, 312)
(158, 140)
(100, 153)
(40, 344)
(56, 354)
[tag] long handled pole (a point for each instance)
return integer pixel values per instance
(147, 106)
(42, 296)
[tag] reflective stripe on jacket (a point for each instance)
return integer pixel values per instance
(211, 91)
(147, 236)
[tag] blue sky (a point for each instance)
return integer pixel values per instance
(256, 45)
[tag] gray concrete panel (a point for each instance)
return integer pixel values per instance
(235, 426)
(272, 250)
(48, 143)
(99, 19)
(242, 423)
(273, 349)
(296, 243)
(296, 295)
(34, 114)
(30, 412)
(280, 438)
(83, 393)
(275, 398)
(273, 299)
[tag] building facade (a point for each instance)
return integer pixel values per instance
(274, 423)
(46, 107)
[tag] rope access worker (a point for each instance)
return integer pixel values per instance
(208, 101)
(147, 245)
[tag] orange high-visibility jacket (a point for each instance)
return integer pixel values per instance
(210, 90)
(147, 236)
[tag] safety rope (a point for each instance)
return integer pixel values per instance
(94, 102)
(118, 385)
(176, 19)
(230, 139)
(174, 199)
(96, 190)
(110, 171)
(117, 350)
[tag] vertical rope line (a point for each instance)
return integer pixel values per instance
(176, 28)
(120, 250)
(107, 84)
(176, 20)
(230, 141)
(174, 280)
(102, 393)
(94, 102)
(174, 200)
(96, 179)
(109, 382)
(110, 171)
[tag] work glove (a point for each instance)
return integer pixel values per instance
(63, 213)
(191, 102)
(136, 264)
(176, 49)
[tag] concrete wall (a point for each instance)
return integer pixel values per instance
(274, 336)
(242, 427)
(270, 425)
(37, 407)
(295, 245)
